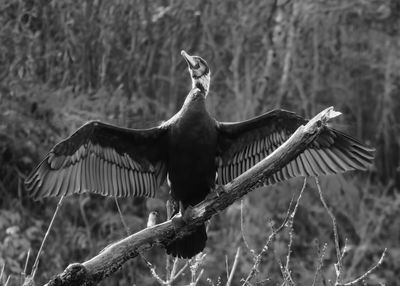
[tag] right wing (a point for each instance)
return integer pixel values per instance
(241, 145)
(103, 159)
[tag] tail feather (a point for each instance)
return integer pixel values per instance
(189, 245)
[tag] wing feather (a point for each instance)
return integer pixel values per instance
(123, 182)
(97, 162)
(311, 162)
(131, 182)
(104, 159)
(85, 174)
(65, 180)
(147, 183)
(242, 145)
(78, 167)
(319, 161)
(285, 172)
(71, 181)
(307, 165)
(301, 166)
(101, 165)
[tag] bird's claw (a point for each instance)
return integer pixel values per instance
(218, 191)
(187, 213)
(178, 220)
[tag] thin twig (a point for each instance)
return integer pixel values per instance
(170, 274)
(198, 278)
(174, 267)
(338, 265)
(258, 258)
(88, 231)
(227, 267)
(170, 278)
(36, 264)
(365, 275)
(26, 262)
(173, 274)
(344, 249)
(321, 256)
(153, 271)
(246, 243)
(128, 231)
(2, 271)
(180, 271)
(8, 280)
(23, 274)
(167, 268)
(290, 225)
(283, 272)
(235, 263)
(196, 261)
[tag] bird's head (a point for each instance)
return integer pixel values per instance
(199, 71)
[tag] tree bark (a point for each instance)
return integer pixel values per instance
(115, 255)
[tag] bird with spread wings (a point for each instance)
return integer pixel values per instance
(191, 149)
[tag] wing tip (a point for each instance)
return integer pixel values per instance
(363, 155)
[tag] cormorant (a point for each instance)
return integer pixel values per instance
(192, 149)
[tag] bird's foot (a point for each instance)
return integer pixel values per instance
(172, 208)
(217, 191)
(178, 220)
(188, 213)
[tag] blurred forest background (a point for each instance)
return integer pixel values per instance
(65, 62)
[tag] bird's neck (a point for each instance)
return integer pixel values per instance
(196, 97)
(202, 83)
(194, 107)
(195, 103)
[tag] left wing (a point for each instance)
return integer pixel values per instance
(243, 144)
(104, 159)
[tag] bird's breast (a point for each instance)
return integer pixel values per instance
(191, 158)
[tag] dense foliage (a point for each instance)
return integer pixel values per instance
(65, 62)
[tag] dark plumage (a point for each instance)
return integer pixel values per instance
(190, 148)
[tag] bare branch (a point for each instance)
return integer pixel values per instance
(258, 258)
(338, 265)
(26, 262)
(246, 243)
(128, 231)
(2, 271)
(174, 267)
(180, 271)
(198, 278)
(36, 264)
(194, 266)
(365, 275)
(153, 271)
(235, 262)
(226, 267)
(322, 252)
(290, 225)
(339, 253)
(8, 280)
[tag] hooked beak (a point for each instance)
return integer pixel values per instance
(190, 60)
